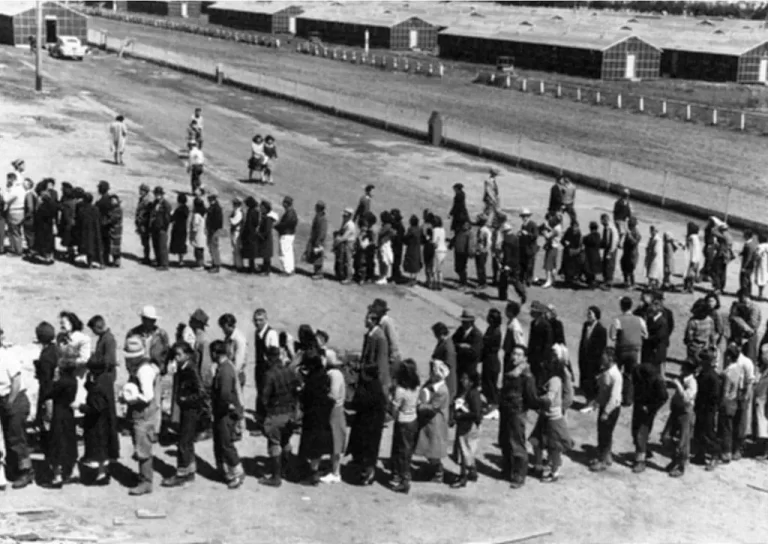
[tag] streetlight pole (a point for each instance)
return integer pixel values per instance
(39, 48)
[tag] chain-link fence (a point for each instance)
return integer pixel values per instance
(661, 187)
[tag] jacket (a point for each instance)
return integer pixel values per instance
(214, 219)
(287, 223)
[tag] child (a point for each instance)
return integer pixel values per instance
(197, 233)
(45, 368)
(338, 394)
(258, 158)
(468, 415)
(61, 454)
(190, 397)
(227, 410)
(680, 422)
(441, 250)
(608, 402)
(100, 420)
(693, 247)
(179, 220)
(270, 155)
(403, 409)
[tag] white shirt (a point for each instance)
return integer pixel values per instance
(237, 345)
(14, 197)
(694, 248)
(438, 238)
(146, 375)
(236, 220)
(199, 122)
(196, 157)
(10, 368)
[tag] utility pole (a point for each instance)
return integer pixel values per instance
(39, 48)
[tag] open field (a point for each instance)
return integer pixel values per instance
(63, 134)
(697, 152)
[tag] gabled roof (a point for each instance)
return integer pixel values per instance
(379, 19)
(15, 7)
(268, 8)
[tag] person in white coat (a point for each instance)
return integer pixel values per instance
(761, 270)
(654, 258)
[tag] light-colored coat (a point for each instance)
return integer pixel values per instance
(433, 435)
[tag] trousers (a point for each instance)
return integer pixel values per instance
(505, 279)
(481, 261)
(13, 421)
(642, 424)
(605, 433)
(468, 438)
(224, 449)
(213, 249)
(403, 443)
(160, 247)
(188, 426)
(286, 253)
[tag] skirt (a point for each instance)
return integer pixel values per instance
(550, 259)
(551, 434)
(338, 430)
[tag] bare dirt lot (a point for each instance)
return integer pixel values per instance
(63, 133)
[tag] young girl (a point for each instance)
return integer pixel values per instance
(338, 394)
(227, 411)
(179, 220)
(61, 455)
(693, 247)
(441, 249)
(197, 233)
(551, 431)
(468, 414)
(258, 158)
(403, 409)
(190, 397)
(270, 155)
(100, 420)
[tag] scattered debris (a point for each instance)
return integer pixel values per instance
(143, 513)
(26, 511)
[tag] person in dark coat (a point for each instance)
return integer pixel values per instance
(143, 212)
(369, 404)
(45, 369)
(89, 230)
(510, 262)
(315, 252)
(227, 410)
(316, 406)
(103, 204)
(376, 348)
(102, 443)
(650, 394)
(445, 351)
(398, 244)
(61, 452)
(540, 339)
(66, 219)
(179, 222)
(556, 195)
(594, 340)
(43, 222)
(106, 346)
(706, 407)
(412, 241)
(468, 341)
(459, 214)
(265, 237)
(249, 233)
(656, 345)
(461, 243)
(573, 254)
(159, 222)
(529, 247)
(491, 363)
(593, 261)
(115, 230)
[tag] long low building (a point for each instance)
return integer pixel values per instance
(272, 17)
(605, 56)
(18, 21)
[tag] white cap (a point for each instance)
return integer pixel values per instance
(149, 312)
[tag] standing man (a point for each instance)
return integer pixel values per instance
(569, 199)
(14, 411)
(556, 198)
(104, 205)
(30, 209)
(265, 337)
(387, 325)
(364, 206)
(529, 246)
(749, 261)
(198, 322)
(510, 262)
(491, 194)
(315, 252)
(650, 394)
(609, 244)
(214, 225)
(195, 167)
(622, 212)
(482, 249)
(159, 222)
(143, 211)
(468, 341)
(105, 353)
(286, 231)
(198, 118)
(627, 333)
(236, 219)
(462, 248)
(540, 340)
(458, 214)
(118, 133)
(155, 339)
(344, 247)
(375, 352)
(237, 346)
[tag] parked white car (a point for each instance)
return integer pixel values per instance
(68, 47)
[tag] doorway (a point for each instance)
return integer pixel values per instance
(413, 39)
(51, 31)
(762, 76)
(184, 10)
(292, 25)
(629, 70)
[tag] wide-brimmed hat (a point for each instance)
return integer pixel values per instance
(134, 348)
(466, 315)
(458, 185)
(159, 190)
(149, 312)
(200, 316)
(441, 369)
(525, 212)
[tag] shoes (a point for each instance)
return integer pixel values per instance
(472, 475)
(24, 480)
(639, 467)
(492, 415)
(676, 472)
(368, 477)
(460, 483)
(382, 281)
(517, 484)
(312, 480)
(214, 270)
(203, 436)
(711, 465)
(403, 486)
(550, 477)
(598, 467)
(178, 481)
(162, 269)
(144, 488)
(236, 482)
(275, 480)
(547, 285)
(437, 477)
(331, 478)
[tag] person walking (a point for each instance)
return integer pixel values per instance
(364, 205)
(609, 244)
(608, 402)
(159, 222)
(491, 194)
(195, 167)
(214, 229)
(706, 407)
(286, 231)
(315, 252)
(529, 247)
(118, 134)
(650, 394)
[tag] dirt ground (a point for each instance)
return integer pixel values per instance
(63, 133)
(698, 152)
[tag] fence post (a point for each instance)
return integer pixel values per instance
(742, 122)
(493, 78)
(578, 94)
(618, 101)
(219, 74)
(431, 70)
(442, 69)
(664, 188)
(559, 90)
(728, 201)
(597, 98)
(641, 105)
(541, 87)
(418, 67)
(664, 108)
(524, 85)
(405, 65)
(687, 112)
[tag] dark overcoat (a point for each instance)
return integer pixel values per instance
(369, 405)
(316, 405)
(100, 419)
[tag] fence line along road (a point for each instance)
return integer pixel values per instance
(666, 189)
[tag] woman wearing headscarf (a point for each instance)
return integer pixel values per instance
(369, 405)
(265, 237)
(43, 222)
(433, 413)
(316, 406)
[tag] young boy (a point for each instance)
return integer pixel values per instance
(61, 454)
(100, 419)
(190, 397)
(608, 402)
(227, 411)
(468, 415)
(680, 422)
(650, 394)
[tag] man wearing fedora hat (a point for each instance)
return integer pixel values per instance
(214, 229)
(159, 222)
(144, 410)
(491, 193)
(529, 246)
(343, 247)
(155, 339)
(468, 341)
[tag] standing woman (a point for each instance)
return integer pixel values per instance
(265, 236)
(761, 270)
(760, 399)
(45, 369)
(427, 240)
(403, 405)
(66, 219)
(90, 241)
(693, 247)
(44, 220)
(338, 394)
(248, 234)
(179, 221)
(397, 244)
(552, 232)
(593, 261)
(102, 443)
(594, 340)
(441, 250)
(491, 364)
(257, 159)
(654, 259)
(433, 409)
(630, 255)
(270, 158)
(61, 453)
(369, 405)
(75, 348)
(316, 406)
(386, 256)
(573, 254)
(412, 241)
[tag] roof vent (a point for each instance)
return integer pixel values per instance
(557, 18)
(706, 22)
